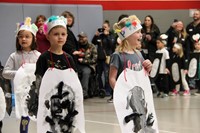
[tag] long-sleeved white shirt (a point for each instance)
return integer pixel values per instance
(16, 60)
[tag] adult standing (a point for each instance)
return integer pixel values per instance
(41, 40)
(150, 32)
(193, 28)
(106, 43)
(71, 43)
(177, 34)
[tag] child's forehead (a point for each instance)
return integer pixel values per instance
(58, 28)
(23, 32)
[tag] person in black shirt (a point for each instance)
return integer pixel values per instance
(71, 43)
(192, 29)
(55, 57)
(106, 43)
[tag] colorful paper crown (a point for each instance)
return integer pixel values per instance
(27, 26)
(163, 38)
(54, 21)
(130, 27)
(196, 38)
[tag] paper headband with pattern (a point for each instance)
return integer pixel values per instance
(54, 21)
(128, 29)
(26, 25)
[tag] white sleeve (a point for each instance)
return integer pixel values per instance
(9, 71)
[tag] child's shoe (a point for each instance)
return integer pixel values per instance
(186, 93)
(164, 95)
(174, 92)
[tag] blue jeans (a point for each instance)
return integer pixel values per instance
(102, 67)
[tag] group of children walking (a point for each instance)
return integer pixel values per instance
(61, 105)
(172, 76)
(60, 101)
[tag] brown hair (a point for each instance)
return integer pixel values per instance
(40, 16)
(68, 14)
(33, 44)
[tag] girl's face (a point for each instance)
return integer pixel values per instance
(25, 39)
(40, 22)
(57, 36)
(197, 46)
(159, 44)
(174, 50)
(69, 20)
(106, 27)
(147, 22)
(179, 26)
(135, 39)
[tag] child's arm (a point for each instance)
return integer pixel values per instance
(112, 76)
(147, 65)
(9, 71)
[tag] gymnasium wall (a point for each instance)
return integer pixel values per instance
(87, 18)
(89, 14)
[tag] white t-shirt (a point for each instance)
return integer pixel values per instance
(163, 60)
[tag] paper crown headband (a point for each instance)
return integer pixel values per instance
(27, 26)
(130, 27)
(54, 21)
(196, 38)
(163, 38)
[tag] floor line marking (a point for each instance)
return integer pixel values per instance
(106, 123)
(166, 131)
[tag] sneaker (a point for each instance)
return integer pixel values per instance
(110, 100)
(174, 92)
(159, 94)
(164, 95)
(186, 93)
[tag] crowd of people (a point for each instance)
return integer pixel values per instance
(55, 46)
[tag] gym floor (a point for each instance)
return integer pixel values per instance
(176, 114)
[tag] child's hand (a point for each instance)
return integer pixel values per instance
(185, 71)
(167, 71)
(147, 65)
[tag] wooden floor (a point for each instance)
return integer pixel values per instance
(176, 114)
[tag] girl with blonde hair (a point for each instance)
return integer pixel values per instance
(128, 71)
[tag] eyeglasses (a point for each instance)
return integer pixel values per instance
(22, 37)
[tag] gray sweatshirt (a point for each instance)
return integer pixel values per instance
(16, 60)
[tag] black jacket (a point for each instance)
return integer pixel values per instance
(105, 45)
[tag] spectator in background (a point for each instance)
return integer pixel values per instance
(41, 41)
(193, 28)
(71, 44)
(150, 32)
(87, 57)
(106, 43)
(177, 34)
